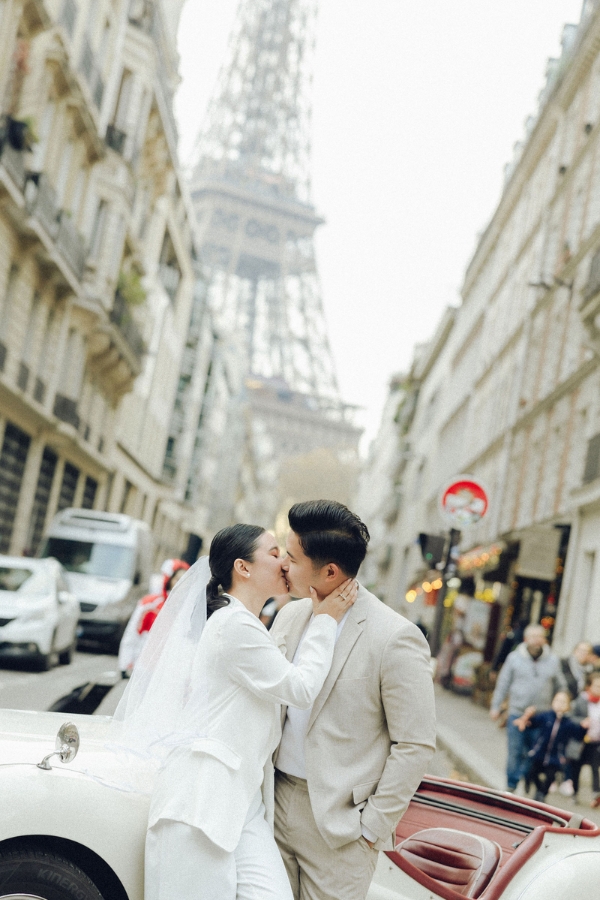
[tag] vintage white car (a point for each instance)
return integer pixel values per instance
(66, 835)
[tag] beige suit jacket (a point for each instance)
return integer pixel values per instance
(371, 733)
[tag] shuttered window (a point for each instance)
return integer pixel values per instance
(89, 493)
(68, 486)
(42, 498)
(592, 460)
(13, 457)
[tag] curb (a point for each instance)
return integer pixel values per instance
(473, 764)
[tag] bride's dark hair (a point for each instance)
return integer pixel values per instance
(229, 544)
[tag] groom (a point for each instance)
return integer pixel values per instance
(347, 768)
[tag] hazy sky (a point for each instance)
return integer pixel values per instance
(417, 104)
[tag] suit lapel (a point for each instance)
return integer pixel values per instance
(352, 630)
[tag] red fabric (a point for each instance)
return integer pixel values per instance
(155, 602)
(459, 861)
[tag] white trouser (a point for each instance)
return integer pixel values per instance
(183, 864)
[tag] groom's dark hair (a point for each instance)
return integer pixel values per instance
(330, 533)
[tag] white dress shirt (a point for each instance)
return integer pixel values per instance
(290, 758)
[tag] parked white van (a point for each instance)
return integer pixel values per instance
(108, 558)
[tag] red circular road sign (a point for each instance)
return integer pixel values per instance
(464, 501)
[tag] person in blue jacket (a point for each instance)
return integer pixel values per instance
(556, 729)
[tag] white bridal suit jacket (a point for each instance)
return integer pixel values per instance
(211, 784)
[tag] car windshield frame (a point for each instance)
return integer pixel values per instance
(96, 558)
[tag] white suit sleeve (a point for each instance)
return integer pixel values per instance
(256, 663)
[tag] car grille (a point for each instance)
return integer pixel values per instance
(4, 622)
(88, 607)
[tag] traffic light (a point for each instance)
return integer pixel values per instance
(432, 549)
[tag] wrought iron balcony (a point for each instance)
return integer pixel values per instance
(115, 138)
(41, 202)
(71, 245)
(65, 409)
(120, 315)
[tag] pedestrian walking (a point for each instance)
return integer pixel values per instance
(531, 676)
(145, 614)
(577, 667)
(554, 730)
(586, 712)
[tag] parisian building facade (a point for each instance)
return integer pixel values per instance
(508, 390)
(97, 272)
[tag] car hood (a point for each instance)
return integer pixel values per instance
(27, 737)
(13, 604)
(91, 589)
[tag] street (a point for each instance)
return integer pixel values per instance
(23, 688)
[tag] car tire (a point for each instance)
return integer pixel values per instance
(44, 876)
(65, 657)
(44, 664)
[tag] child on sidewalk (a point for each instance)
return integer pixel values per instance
(548, 753)
(586, 712)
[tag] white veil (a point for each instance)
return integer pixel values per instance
(165, 702)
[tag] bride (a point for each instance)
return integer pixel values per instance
(205, 701)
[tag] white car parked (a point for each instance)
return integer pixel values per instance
(38, 612)
(65, 833)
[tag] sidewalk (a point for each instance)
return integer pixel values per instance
(477, 747)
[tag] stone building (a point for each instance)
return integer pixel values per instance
(513, 395)
(96, 264)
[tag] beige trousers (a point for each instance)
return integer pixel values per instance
(315, 871)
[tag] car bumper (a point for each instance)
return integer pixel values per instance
(96, 632)
(22, 634)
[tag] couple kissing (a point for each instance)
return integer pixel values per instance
(286, 757)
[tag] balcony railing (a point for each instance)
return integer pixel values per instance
(120, 315)
(71, 245)
(115, 138)
(41, 202)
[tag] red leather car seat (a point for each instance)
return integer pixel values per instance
(462, 862)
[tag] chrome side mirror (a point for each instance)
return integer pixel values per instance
(67, 746)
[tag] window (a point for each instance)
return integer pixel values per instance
(99, 227)
(41, 499)
(89, 493)
(68, 486)
(103, 560)
(13, 457)
(9, 294)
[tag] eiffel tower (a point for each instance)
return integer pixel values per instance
(252, 195)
